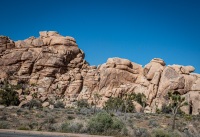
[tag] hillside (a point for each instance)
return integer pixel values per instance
(52, 68)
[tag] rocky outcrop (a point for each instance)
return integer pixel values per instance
(55, 70)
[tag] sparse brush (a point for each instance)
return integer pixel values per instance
(59, 104)
(75, 126)
(4, 125)
(23, 127)
(164, 133)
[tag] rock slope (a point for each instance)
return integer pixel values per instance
(56, 70)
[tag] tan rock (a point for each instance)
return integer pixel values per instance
(26, 68)
(141, 79)
(43, 34)
(45, 104)
(158, 60)
(118, 61)
(196, 85)
(154, 66)
(193, 99)
(156, 78)
(138, 107)
(38, 42)
(29, 98)
(183, 69)
(52, 33)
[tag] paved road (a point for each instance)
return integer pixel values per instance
(20, 133)
(26, 135)
(13, 134)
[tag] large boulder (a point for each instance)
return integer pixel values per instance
(156, 65)
(193, 99)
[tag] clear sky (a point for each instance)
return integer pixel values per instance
(138, 30)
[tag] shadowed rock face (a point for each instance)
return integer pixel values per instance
(55, 69)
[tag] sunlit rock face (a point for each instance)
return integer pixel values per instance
(54, 69)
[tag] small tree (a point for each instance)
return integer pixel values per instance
(97, 97)
(8, 95)
(176, 102)
(128, 105)
(139, 98)
(113, 104)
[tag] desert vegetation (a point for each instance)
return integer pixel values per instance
(118, 117)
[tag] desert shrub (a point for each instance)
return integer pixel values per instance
(138, 115)
(70, 112)
(23, 127)
(128, 107)
(85, 111)
(70, 117)
(32, 125)
(82, 104)
(142, 132)
(188, 117)
(39, 115)
(117, 124)
(75, 126)
(8, 95)
(103, 124)
(166, 109)
(3, 125)
(139, 98)
(113, 104)
(119, 104)
(59, 104)
(164, 133)
(167, 116)
(100, 123)
(51, 128)
(153, 123)
(34, 103)
(50, 120)
(34, 95)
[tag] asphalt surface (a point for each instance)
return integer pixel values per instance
(4, 134)
(24, 133)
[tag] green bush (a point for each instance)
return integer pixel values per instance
(8, 95)
(141, 132)
(166, 109)
(59, 104)
(129, 107)
(139, 98)
(100, 123)
(70, 117)
(34, 103)
(188, 117)
(72, 127)
(82, 104)
(3, 125)
(153, 123)
(117, 124)
(103, 124)
(119, 104)
(164, 133)
(113, 104)
(23, 128)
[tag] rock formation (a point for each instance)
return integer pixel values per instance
(55, 69)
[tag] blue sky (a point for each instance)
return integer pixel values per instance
(138, 30)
